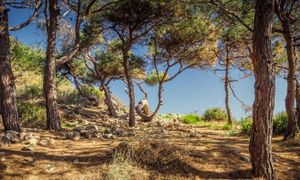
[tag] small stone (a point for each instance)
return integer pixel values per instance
(22, 135)
(91, 128)
(4, 141)
(3, 159)
(27, 149)
(108, 136)
(193, 134)
(44, 142)
(120, 132)
(79, 128)
(86, 134)
(76, 161)
(28, 159)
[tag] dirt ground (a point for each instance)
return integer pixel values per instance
(212, 154)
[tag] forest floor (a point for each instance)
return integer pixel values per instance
(160, 150)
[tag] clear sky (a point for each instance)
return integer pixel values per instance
(189, 92)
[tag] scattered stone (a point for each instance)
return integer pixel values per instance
(22, 135)
(160, 123)
(79, 128)
(3, 159)
(108, 136)
(13, 136)
(99, 135)
(193, 134)
(4, 141)
(120, 133)
(28, 159)
(44, 142)
(27, 149)
(76, 161)
(49, 168)
(86, 134)
(75, 135)
(91, 128)
(32, 141)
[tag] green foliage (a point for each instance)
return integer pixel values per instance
(280, 123)
(69, 95)
(152, 79)
(215, 114)
(227, 127)
(32, 114)
(27, 58)
(246, 125)
(31, 91)
(191, 119)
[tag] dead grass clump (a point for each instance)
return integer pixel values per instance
(157, 156)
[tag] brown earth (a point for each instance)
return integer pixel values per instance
(207, 154)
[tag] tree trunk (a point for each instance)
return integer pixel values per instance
(227, 103)
(261, 136)
(7, 83)
(298, 102)
(130, 87)
(53, 122)
(108, 100)
(291, 82)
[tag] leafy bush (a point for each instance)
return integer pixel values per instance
(69, 95)
(246, 125)
(280, 123)
(191, 119)
(32, 115)
(215, 114)
(31, 91)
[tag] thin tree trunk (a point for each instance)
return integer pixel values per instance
(298, 102)
(291, 83)
(130, 87)
(53, 122)
(227, 92)
(108, 100)
(261, 136)
(7, 83)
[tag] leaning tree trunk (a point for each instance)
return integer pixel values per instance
(298, 102)
(261, 136)
(108, 100)
(291, 83)
(130, 87)
(226, 80)
(53, 122)
(7, 84)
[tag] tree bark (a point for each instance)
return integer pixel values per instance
(7, 83)
(108, 100)
(291, 82)
(261, 135)
(298, 102)
(53, 122)
(130, 87)
(227, 92)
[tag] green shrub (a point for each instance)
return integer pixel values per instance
(246, 125)
(280, 123)
(227, 127)
(31, 91)
(32, 115)
(191, 119)
(215, 114)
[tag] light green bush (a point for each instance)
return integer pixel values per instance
(280, 123)
(215, 114)
(246, 125)
(32, 115)
(191, 118)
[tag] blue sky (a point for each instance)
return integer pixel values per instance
(191, 91)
